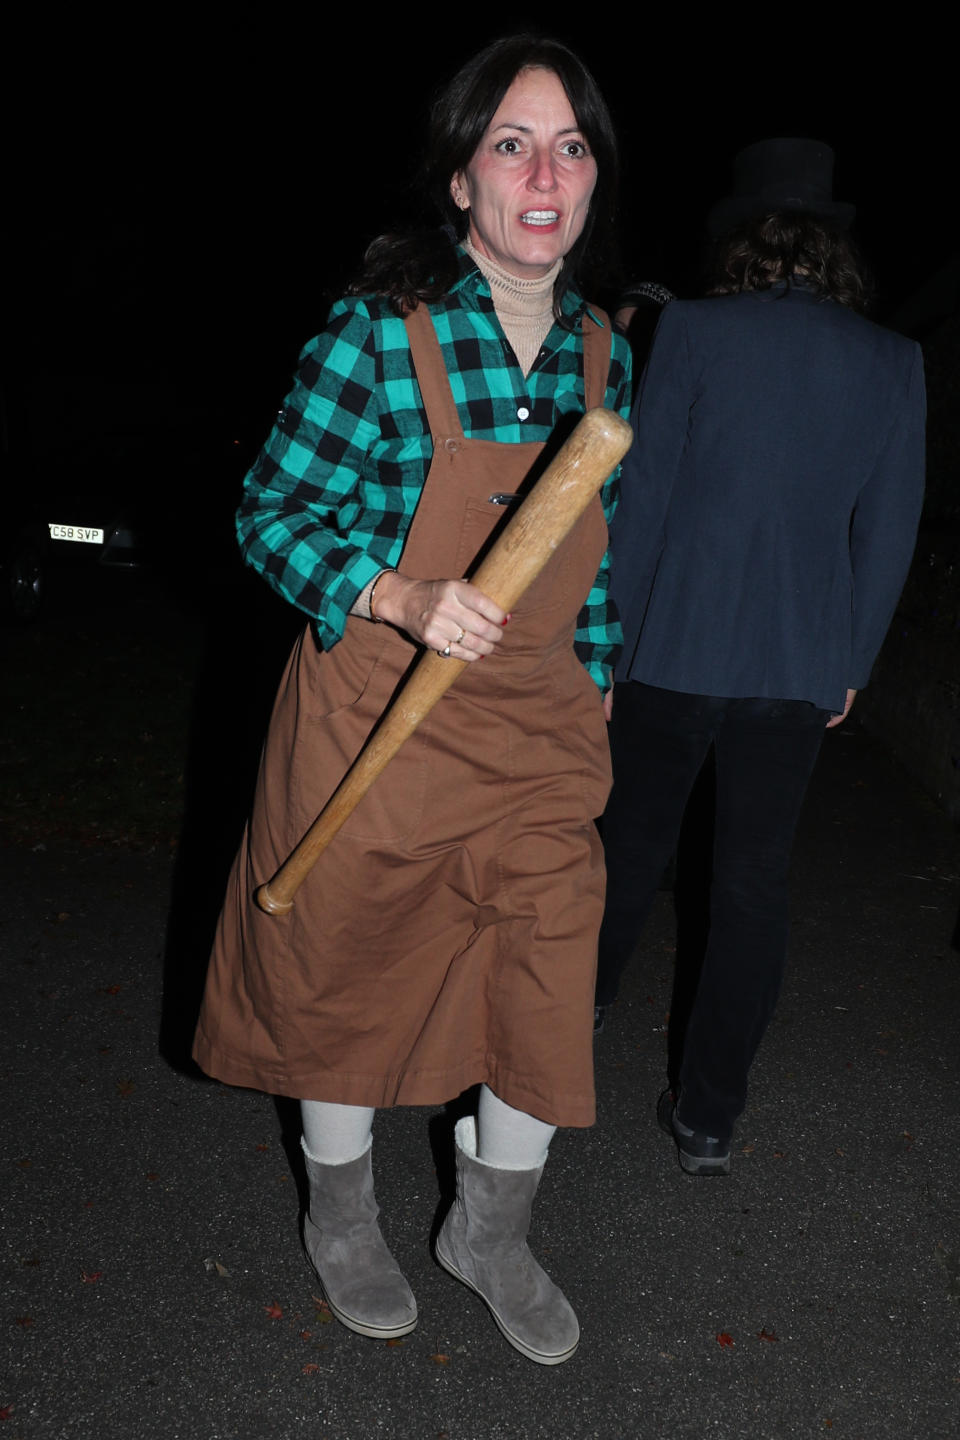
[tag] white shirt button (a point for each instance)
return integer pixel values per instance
(523, 413)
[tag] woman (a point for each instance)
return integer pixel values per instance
(770, 505)
(447, 936)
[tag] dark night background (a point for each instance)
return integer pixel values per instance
(185, 194)
(190, 198)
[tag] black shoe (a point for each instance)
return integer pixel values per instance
(699, 1154)
(599, 1019)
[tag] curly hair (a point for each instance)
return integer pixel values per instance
(790, 244)
(422, 265)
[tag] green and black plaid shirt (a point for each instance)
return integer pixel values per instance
(330, 498)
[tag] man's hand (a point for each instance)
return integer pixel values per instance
(839, 719)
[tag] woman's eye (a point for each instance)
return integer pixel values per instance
(575, 149)
(509, 146)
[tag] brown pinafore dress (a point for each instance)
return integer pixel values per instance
(448, 934)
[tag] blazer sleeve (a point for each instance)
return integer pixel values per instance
(660, 421)
(883, 530)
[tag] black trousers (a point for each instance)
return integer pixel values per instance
(765, 753)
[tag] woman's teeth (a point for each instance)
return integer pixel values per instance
(540, 217)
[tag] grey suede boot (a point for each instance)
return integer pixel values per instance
(483, 1242)
(360, 1278)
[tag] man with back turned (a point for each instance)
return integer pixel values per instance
(768, 515)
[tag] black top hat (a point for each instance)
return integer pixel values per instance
(780, 175)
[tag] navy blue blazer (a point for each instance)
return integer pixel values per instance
(769, 504)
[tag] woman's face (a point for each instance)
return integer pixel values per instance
(529, 184)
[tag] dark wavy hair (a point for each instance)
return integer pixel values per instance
(791, 244)
(422, 265)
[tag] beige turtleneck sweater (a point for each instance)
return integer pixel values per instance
(523, 307)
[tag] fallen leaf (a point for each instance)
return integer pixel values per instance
(112, 989)
(440, 1359)
(310, 1368)
(274, 1310)
(25, 1320)
(306, 1334)
(213, 1267)
(263, 1147)
(839, 1152)
(90, 1278)
(24, 1164)
(6, 1412)
(770, 1335)
(725, 1340)
(125, 1087)
(778, 1154)
(152, 1175)
(747, 1149)
(394, 1344)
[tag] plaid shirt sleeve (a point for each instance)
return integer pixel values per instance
(599, 636)
(316, 520)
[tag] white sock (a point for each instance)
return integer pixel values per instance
(334, 1134)
(510, 1139)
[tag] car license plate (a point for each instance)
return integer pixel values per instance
(85, 534)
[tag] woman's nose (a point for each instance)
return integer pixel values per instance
(542, 173)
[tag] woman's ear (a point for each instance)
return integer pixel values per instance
(458, 192)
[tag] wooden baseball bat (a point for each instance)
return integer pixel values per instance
(541, 523)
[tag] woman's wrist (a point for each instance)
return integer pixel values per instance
(388, 586)
(373, 596)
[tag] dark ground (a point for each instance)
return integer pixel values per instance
(152, 1278)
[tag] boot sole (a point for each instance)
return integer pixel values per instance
(360, 1327)
(374, 1332)
(697, 1165)
(537, 1356)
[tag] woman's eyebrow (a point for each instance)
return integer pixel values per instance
(528, 129)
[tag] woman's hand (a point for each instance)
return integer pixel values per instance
(441, 613)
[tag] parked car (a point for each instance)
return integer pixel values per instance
(120, 514)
